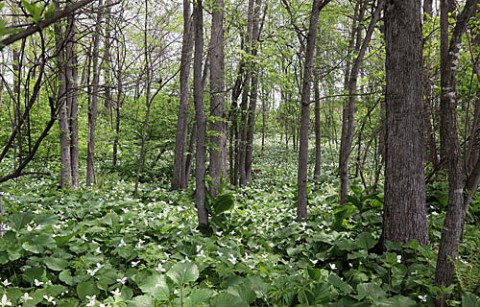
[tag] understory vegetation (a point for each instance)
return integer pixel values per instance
(103, 247)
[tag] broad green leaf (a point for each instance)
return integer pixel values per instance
(87, 288)
(66, 277)
(55, 264)
(365, 241)
(343, 286)
(370, 290)
(398, 300)
(156, 286)
(198, 297)
(182, 273)
(223, 203)
(46, 219)
(20, 220)
(38, 244)
(142, 301)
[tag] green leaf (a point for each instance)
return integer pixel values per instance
(470, 300)
(142, 301)
(365, 241)
(198, 297)
(38, 244)
(20, 220)
(66, 277)
(370, 290)
(223, 203)
(55, 264)
(182, 273)
(398, 300)
(87, 288)
(156, 286)
(343, 286)
(227, 300)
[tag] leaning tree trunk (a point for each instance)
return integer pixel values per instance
(199, 115)
(180, 178)
(405, 214)
(305, 110)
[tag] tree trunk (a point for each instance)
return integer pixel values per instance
(218, 127)
(93, 100)
(305, 109)
(179, 179)
(461, 182)
(199, 115)
(405, 214)
(348, 123)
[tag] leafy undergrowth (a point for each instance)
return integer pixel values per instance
(104, 248)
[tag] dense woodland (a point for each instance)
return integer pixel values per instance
(239, 153)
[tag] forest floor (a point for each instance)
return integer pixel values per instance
(103, 247)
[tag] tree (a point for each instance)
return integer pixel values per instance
(405, 215)
(317, 6)
(463, 175)
(218, 127)
(179, 179)
(199, 115)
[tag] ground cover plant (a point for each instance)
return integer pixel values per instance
(105, 248)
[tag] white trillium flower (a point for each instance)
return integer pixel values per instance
(399, 258)
(116, 292)
(5, 301)
(26, 297)
(122, 243)
(38, 283)
(122, 280)
(50, 299)
(6, 283)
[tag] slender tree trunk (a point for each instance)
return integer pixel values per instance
(305, 110)
(318, 127)
(405, 214)
(199, 115)
(348, 124)
(218, 153)
(93, 101)
(462, 182)
(72, 75)
(180, 177)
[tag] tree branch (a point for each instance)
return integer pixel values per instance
(57, 15)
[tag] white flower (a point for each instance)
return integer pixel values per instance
(399, 258)
(50, 299)
(423, 298)
(314, 261)
(122, 281)
(116, 292)
(38, 283)
(333, 266)
(232, 259)
(94, 271)
(91, 300)
(135, 263)
(98, 250)
(160, 268)
(5, 301)
(122, 243)
(26, 297)
(6, 283)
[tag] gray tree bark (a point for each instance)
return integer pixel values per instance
(405, 214)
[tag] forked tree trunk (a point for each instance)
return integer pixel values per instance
(405, 214)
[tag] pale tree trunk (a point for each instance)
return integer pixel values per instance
(120, 59)
(180, 176)
(462, 182)
(405, 212)
(93, 100)
(305, 109)
(218, 127)
(348, 124)
(199, 115)
(72, 75)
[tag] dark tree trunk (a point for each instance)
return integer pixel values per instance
(199, 115)
(179, 180)
(305, 109)
(318, 132)
(405, 214)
